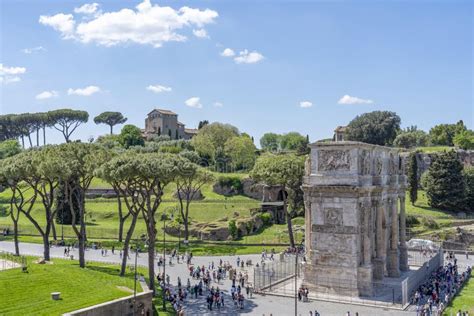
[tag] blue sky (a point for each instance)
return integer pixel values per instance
(411, 57)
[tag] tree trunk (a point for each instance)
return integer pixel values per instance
(121, 218)
(46, 247)
(111, 129)
(15, 237)
(37, 137)
(82, 259)
(29, 138)
(53, 227)
(128, 237)
(288, 220)
(151, 258)
(186, 229)
(44, 135)
(23, 141)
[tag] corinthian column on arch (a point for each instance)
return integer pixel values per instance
(403, 245)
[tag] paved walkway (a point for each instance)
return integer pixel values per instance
(258, 305)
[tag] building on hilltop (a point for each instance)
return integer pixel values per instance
(165, 122)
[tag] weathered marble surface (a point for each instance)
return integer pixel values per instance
(352, 192)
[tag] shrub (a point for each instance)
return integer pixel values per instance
(233, 230)
(429, 222)
(411, 220)
(229, 181)
(266, 218)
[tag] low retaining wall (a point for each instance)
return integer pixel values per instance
(120, 307)
(418, 277)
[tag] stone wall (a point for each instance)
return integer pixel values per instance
(120, 307)
(425, 159)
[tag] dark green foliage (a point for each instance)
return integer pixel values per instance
(411, 220)
(131, 136)
(378, 127)
(202, 124)
(266, 218)
(413, 177)
(9, 148)
(234, 232)
(63, 215)
(229, 181)
(469, 179)
(445, 182)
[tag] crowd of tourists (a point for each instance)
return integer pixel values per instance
(436, 292)
(204, 282)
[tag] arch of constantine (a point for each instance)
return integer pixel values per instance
(355, 217)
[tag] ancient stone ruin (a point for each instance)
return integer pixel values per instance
(353, 194)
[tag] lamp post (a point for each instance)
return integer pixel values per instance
(135, 283)
(164, 260)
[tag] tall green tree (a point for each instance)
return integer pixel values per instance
(122, 172)
(270, 142)
(286, 171)
(80, 162)
(445, 182)
(443, 134)
(66, 121)
(210, 140)
(131, 136)
(189, 182)
(464, 139)
(241, 151)
(411, 139)
(469, 194)
(9, 148)
(377, 127)
(293, 141)
(111, 119)
(413, 177)
(38, 171)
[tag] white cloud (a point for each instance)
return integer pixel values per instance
(63, 23)
(201, 33)
(47, 95)
(88, 8)
(218, 104)
(228, 52)
(10, 74)
(306, 104)
(147, 24)
(87, 91)
(347, 99)
(246, 57)
(194, 102)
(32, 50)
(158, 88)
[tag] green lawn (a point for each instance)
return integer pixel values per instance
(432, 149)
(464, 301)
(30, 293)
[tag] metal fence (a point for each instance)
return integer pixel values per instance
(271, 274)
(9, 261)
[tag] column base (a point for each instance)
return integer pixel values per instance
(393, 264)
(404, 258)
(378, 271)
(365, 280)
